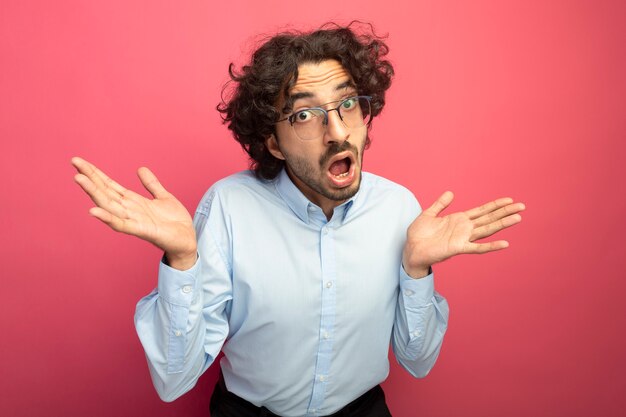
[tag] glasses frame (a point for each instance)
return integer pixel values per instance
(291, 118)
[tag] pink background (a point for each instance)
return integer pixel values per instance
(491, 98)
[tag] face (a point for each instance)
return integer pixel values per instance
(327, 170)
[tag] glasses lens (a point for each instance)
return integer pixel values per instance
(309, 124)
(355, 112)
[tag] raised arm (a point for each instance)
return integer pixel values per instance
(422, 314)
(182, 323)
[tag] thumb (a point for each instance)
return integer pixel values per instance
(151, 183)
(440, 204)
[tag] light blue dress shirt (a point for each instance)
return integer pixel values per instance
(304, 308)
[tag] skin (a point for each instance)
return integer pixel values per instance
(431, 238)
(307, 162)
(162, 221)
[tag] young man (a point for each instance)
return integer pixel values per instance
(303, 271)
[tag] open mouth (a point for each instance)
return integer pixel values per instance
(341, 169)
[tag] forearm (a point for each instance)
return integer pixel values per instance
(420, 325)
(172, 345)
(172, 327)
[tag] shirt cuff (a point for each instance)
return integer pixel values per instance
(175, 286)
(417, 292)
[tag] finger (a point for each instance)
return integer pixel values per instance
(499, 214)
(98, 196)
(108, 181)
(488, 208)
(99, 178)
(152, 184)
(88, 169)
(77, 161)
(442, 202)
(480, 248)
(491, 228)
(114, 222)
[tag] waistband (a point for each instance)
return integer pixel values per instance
(224, 402)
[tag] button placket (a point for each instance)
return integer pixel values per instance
(327, 322)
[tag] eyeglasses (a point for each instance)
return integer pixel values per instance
(310, 124)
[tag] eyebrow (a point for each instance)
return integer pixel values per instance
(292, 98)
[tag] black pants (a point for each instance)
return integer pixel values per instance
(227, 404)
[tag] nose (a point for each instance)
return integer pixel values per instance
(336, 130)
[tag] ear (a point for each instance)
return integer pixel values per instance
(272, 145)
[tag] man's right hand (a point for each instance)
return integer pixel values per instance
(162, 221)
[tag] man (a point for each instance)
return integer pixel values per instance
(304, 270)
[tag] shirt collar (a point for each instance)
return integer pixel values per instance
(294, 198)
(298, 202)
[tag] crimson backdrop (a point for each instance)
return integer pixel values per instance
(491, 98)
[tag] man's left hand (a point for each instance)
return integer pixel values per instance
(432, 239)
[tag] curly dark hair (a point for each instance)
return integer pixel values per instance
(253, 92)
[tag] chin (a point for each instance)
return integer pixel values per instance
(345, 193)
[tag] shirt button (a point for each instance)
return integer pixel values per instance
(322, 378)
(329, 284)
(325, 230)
(177, 333)
(416, 333)
(187, 289)
(326, 335)
(408, 293)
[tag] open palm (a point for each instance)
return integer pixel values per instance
(162, 221)
(432, 239)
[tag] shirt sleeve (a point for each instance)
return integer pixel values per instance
(422, 314)
(421, 322)
(182, 324)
